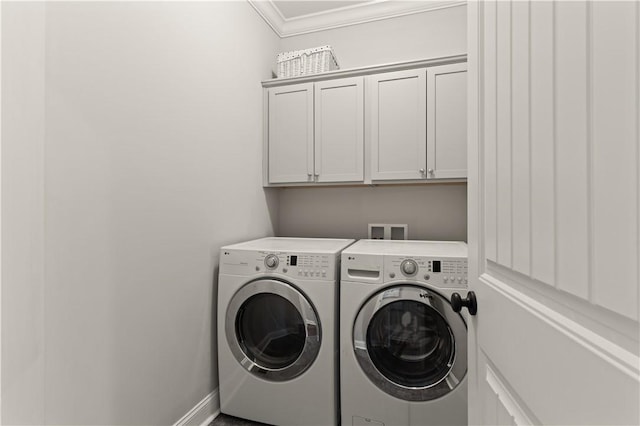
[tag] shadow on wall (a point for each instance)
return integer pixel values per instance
(432, 211)
(214, 329)
(272, 198)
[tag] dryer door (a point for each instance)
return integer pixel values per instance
(272, 330)
(410, 343)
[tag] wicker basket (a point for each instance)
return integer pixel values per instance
(307, 61)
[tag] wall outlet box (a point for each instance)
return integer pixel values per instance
(387, 231)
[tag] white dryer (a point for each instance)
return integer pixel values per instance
(403, 353)
(277, 330)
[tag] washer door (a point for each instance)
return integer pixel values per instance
(410, 343)
(272, 330)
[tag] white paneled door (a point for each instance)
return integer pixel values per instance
(554, 198)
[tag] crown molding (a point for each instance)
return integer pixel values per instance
(342, 17)
(270, 13)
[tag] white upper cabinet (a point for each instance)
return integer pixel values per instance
(398, 121)
(339, 130)
(290, 140)
(446, 119)
(401, 123)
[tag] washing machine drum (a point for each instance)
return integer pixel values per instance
(272, 329)
(410, 343)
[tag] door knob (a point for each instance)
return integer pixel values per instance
(470, 302)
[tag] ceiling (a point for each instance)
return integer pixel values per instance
(297, 8)
(294, 17)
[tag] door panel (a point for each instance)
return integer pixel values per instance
(521, 142)
(290, 131)
(541, 129)
(398, 125)
(502, 407)
(446, 118)
(614, 155)
(554, 201)
(339, 130)
(577, 366)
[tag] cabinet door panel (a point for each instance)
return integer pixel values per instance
(398, 125)
(446, 121)
(291, 133)
(339, 128)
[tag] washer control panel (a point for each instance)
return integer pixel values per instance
(310, 265)
(296, 265)
(443, 272)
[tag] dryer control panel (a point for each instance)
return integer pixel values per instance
(307, 266)
(441, 272)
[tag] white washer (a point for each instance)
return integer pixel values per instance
(277, 330)
(403, 350)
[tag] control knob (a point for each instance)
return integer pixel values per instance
(271, 261)
(409, 267)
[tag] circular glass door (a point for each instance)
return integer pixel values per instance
(272, 330)
(410, 343)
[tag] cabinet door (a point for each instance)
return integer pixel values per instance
(447, 121)
(291, 133)
(398, 125)
(339, 129)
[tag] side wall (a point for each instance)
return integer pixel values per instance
(434, 211)
(23, 133)
(150, 161)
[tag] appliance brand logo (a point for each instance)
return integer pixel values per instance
(425, 296)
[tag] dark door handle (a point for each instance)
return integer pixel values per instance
(470, 302)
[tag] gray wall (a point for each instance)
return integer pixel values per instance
(22, 214)
(423, 35)
(432, 211)
(131, 152)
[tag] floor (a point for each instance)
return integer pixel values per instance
(224, 420)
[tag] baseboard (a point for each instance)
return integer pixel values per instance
(203, 413)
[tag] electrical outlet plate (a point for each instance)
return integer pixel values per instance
(388, 231)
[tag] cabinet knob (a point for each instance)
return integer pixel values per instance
(309, 175)
(316, 174)
(430, 172)
(421, 171)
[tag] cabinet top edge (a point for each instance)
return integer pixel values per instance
(352, 72)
